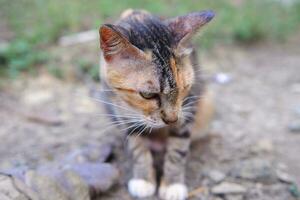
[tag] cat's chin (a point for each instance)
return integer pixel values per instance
(157, 126)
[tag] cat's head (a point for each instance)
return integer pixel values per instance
(147, 63)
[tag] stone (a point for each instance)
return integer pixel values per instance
(295, 88)
(90, 153)
(258, 170)
(8, 191)
(263, 146)
(294, 127)
(228, 188)
(234, 197)
(216, 176)
(60, 182)
(297, 110)
(99, 176)
(45, 186)
(284, 177)
(37, 97)
(45, 118)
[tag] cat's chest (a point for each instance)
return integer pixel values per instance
(157, 140)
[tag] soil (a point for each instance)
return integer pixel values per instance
(43, 119)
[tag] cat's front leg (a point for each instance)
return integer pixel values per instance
(142, 184)
(173, 185)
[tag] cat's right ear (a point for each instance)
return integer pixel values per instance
(114, 44)
(184, 27)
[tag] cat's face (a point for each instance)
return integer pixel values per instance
(155, 90)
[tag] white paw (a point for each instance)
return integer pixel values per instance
(175, 191)
(141, 188)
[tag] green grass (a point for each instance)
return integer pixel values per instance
(39, 23)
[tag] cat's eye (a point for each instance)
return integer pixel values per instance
(148, 95)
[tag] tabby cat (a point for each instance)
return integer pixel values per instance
(154, 93)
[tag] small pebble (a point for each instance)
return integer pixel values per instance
(294, 127)
(234, 197)
(295, 88)
(263, 146)
(284, 177)
(297, 110)
(258, 170)
(216, 176)
(228, 188)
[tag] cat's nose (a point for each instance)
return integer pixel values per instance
(169, 118)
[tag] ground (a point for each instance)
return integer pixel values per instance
(249, 144)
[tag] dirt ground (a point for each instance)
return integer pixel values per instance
(250, 144)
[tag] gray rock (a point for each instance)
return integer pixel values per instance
(59, 182)
(294, 127)
(284, 177)
(234, 197)
(90, 153)
(297, 110)
(258, 170)
(216, 176)
(263, 146)
(8, 191)
(295, 88)
(45, 186)
(228, 188)
(99, 177)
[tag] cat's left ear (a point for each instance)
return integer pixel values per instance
(114, 44)
(183, 27)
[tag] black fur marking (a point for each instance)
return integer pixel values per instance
(184, 135)
(147, 32)
(181, 153)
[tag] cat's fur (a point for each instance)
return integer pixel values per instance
(144, 56)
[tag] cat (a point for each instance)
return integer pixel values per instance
(149, 70)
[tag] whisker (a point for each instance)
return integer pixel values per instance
(187, 108)
(141, 132)
(109, 103)
(119, 116)
(138, 125)
(117, 123)
(115, 105)
(131, 126)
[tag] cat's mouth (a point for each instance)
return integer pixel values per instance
(155, 123)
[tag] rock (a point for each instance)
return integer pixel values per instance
(90, 153)
(44, 118)
(37, 97)
(216, 198)
(234, 197)
(294, 127)
(255, 170)
(297, 110)
(99, 177)
(8, 191)
(295, 88)
(228, 188)
(216, 176)
(198, 192)
(284, 177)
(76, 181)
(45, 186)
(263, 146)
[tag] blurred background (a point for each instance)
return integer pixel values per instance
(250, 57)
